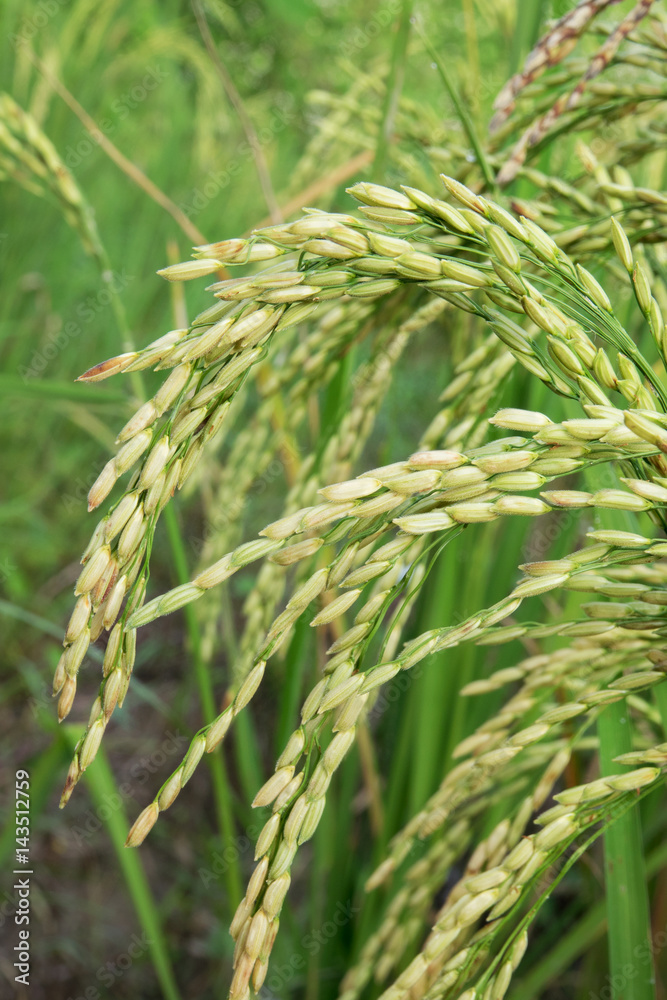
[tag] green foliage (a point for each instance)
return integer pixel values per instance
(398, 506)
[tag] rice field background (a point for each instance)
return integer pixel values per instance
(182, 125)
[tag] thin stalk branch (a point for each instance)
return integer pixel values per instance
(130, 169)
(221, 796)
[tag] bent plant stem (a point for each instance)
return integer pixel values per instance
(628, 914)
(223, 805)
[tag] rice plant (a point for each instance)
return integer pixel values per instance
(535, 290)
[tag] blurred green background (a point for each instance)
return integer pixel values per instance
(154, 923)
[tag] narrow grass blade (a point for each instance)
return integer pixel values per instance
(626, 885)
(394, 87)
(103, 790)
(529, 16)
(12, 386)
(461, 112)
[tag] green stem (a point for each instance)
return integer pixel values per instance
(529, 15)
(103, 790)
(472, 41)
(14, 385)
(660, 694)
(298, 658)
(580, 939)
(394, 87)
(461, 112)
(120, 316)
(436, 687)
(222, 798)
(626, 884)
